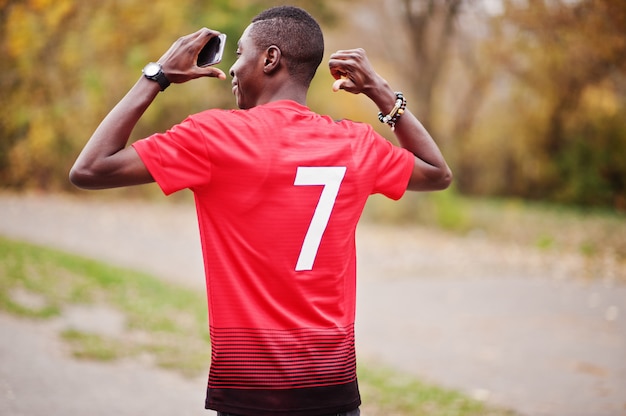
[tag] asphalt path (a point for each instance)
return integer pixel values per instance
(510, 325)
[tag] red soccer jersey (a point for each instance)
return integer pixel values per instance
(279, 191)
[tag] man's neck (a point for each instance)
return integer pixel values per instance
(284, 91)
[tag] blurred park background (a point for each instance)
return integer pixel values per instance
(527, 99)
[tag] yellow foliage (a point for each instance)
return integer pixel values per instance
(533, 62)
(21, 35)
(30, 26)
(31, 156)
(600, 98)
(90, 54)
(56, 12)
(40, 5)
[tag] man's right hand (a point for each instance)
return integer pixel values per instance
(180, 61)
(353, 71)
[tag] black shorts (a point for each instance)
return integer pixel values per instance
(355, 412)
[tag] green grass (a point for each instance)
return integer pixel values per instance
(161, 319)
(393, 393)
(168, 324)
(93, 346)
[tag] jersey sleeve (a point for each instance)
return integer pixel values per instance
(395, 166)
(177, 159)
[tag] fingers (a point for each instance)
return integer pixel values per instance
(211, 72)
(191, 43)
(201, 36)
(341, 63)
(344, 83)
(349, 68)
(347, 59)
(180, 61)
(337, 85)
(349, 54)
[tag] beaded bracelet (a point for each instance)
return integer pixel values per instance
(396, 112)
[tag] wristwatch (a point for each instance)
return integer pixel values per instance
(154, 71)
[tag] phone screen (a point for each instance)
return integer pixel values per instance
(212, 52)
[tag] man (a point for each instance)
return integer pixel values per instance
(279, 191)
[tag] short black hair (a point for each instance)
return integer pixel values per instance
(296, 33)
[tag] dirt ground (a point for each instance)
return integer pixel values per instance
(506, 324)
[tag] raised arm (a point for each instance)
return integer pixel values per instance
(354, 73)
(106, 161)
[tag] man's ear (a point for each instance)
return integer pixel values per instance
(273, 56)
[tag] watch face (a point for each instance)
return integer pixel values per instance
(151, 69)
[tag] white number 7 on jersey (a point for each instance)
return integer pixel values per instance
(330, 178)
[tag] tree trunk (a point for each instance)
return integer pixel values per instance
(431, 27)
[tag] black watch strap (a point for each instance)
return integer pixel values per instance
(162, 80)
(154, 72)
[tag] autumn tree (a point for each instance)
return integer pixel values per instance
(431, 26)
(65, 63)
(553, 119)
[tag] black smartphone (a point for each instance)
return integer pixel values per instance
(212, 52)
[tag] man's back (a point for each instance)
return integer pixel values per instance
(279, 191)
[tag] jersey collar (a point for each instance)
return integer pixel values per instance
(286, 104)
